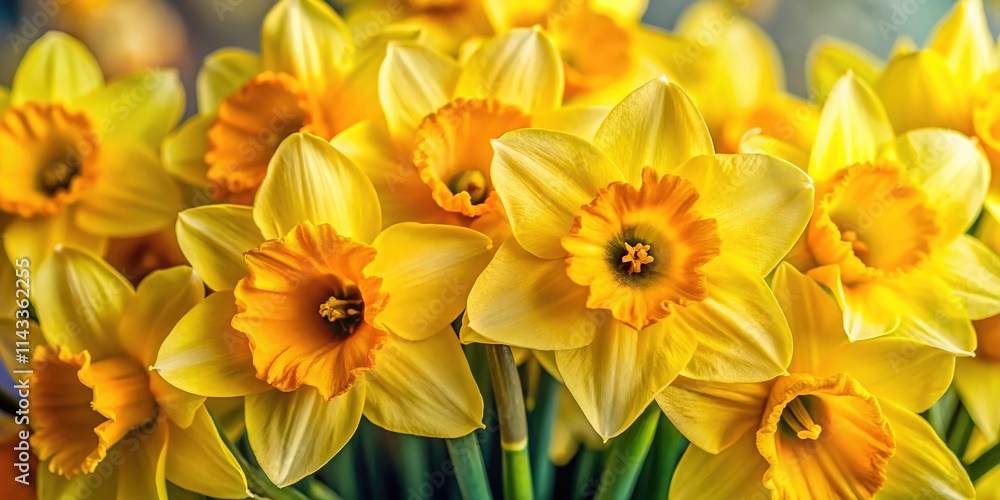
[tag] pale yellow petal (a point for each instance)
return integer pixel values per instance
(308, 40)
(35, 238)
(761, 204)
(56, 68)
(423, 388)
(617, 376)
(293, 434)
(521, 67)
(737, 472)
(309, 180)
(953, 172)
(427, 270)
(923, 77)
(222, 73)
(134, 195)
(625, 11)
(525, 301)
(214, 239)
(204, 355)
(215, 472)
(813, 316)
(933, 314)
(754, 142)
(972, 271)
(964, 39)
(80, 300)
(184, 149)
(830, 58)
(656, 126)
(142, 107)
(581, 121)
(160, 300)
(712, 415)
(852, 127)
(143, 465)
(430, 79)
(922, 463)
(978, 382)
(507, 14)
(870, 309)
(543, 178)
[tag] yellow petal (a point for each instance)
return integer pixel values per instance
(184, 150)
(525, 301)
(35, 238)
(214, 238)
(80, 300)
(656, 126)
(222, 73)
(953, 172)
(507, 14)
(521, 67)
(978, 382)
(134, 195)
(428, 271)
(922, 462)
(617, 376)
(814, 318)
(852, 126)
(216, 472)
(204, 355)
(143, 470)
(624, 11)
(581, 121)
(923, 77)
(712, 415)
(143, 106)
(430, 79)
(424, 388)
(830, 58)
(309, 180)
(739, 329)
(737, 472)
(931, 313)
(964, 39)
(160, 300)
(870, 309)
(53, 485)
(293, 434)
(753, 142)
(56, 68)
(4, 98)
(308, 40)
(543, 178)
(972, 271)
(761, 203)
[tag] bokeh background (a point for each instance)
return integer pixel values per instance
(130, 35)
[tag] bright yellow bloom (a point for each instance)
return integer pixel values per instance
(309, 77)
(841, 424)
(77, 157)
(887, 236)
(734, 73)
(446, 23)
(714, 225)
(97, 411)
(327, 316)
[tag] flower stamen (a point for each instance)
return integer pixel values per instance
(637, 256)
(798, 418)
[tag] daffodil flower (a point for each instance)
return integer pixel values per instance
(710, 226)
(78, 156)
(887, 235)
(310, 76)
(329, 316)
(842, 423)
(104, 424)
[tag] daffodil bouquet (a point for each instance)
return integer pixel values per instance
(482, 248)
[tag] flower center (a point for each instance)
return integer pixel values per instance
(827, 436)
(48, 156)
(871, 221)
(596, 51)
(608, 249)
(250, 125)
(311, 269)
(452, 152)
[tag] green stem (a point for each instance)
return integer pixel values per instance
(668, 446)
(940, 415)
(340, 473)
(586, 464)
(513, 424)
(470, 471)
(985, 463)
(413, 455)
(628, 453)
(319, 491)
(960, 431)
(540, 430)
(257, 481)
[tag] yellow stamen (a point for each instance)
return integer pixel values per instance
(637, 256)
(797, 417)
(472, 182)
(335, 309)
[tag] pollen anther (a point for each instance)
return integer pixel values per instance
(798, 418)
(637, 256)
(335, 309)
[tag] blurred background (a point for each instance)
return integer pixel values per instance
(130, 35)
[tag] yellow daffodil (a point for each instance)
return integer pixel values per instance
(447, 23)
(686, 295)
(78, 156)
(103, 424)
(841, 424)
(952, 83)
(887, 235)
(309, 76)
(734, 73)
(328, 317)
